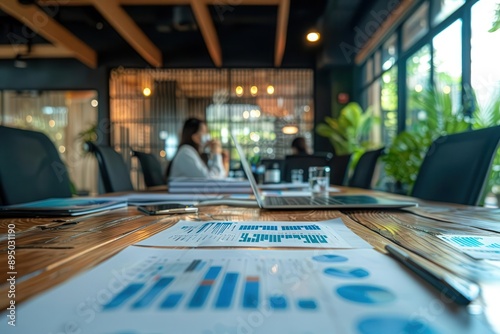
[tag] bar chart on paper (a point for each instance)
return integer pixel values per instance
(479, 247)
(220, 284)
(149, 291)
(249, 234)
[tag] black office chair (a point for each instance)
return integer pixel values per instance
(302, 162)
(455, 168)
(363, 172)
(339, 169)
(30, 168)
(115, 175)
(151, 169)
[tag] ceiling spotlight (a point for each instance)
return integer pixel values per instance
(146, 91)
(270, 89)
(313, 36)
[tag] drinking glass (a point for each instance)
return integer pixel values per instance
(319, 180)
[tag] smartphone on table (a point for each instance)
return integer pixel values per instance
(166, 209)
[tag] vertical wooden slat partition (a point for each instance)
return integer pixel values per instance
(151, 123)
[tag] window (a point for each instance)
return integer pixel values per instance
(374, 104)
(377, 63)
(418, 69)
(389, 104)
(369, 71)
(485, 71)
(416, 26)
(441, 9)
(389, 53)
(448, 62)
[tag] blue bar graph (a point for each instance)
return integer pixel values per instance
(152, 293)
(261, 237)
(494, 245)
(251, 292)
(307, 304)
(467, 241)
(258, 227)
(227, 291)
(123, 296)
(300, 228)
(201, 293)
(277, 302)
(171, 301)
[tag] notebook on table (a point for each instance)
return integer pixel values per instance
(57, 207)
(316, 202)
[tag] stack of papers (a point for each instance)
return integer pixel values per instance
(209, 186)
(61, 207)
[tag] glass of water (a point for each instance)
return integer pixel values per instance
(319, 180)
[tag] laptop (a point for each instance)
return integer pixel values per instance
(315, 202)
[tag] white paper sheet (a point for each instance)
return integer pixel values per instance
(478, 247)
(329, 234)
(154, 291)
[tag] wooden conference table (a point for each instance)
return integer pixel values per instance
(49, 251)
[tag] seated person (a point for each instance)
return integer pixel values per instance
(188, 161)
(299, 146)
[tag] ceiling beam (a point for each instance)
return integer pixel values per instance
(128, 29)
(207, 28)
(121, 2)
(281, 31)
(45, 26)
(392, 21)
(236, 3)
(37, 51)
(232, 3)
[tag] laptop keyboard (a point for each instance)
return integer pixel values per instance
(302, 200)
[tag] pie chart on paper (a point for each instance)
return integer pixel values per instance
(330, 258)
(366, 294)
(346, 272)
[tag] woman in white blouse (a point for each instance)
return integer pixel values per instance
(187, 162)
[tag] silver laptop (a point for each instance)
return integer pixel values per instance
(316, 202)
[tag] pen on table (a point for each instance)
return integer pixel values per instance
(460, 291)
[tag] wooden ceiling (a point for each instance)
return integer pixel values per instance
(61, 42)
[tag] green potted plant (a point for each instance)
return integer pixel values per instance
(349, 131)
(437, 118)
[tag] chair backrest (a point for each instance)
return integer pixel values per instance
(30, 168)
(339, 165)
(302, 162)
(115, 175)
(456, 167)
(363, 172)
(151, 169)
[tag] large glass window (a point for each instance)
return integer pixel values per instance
(374, 104)
(369, 70)
(485, 71)
(448, 62)
(389, 53)
(418, 69)
(389, 105)
(441, 9)
(416, 26)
